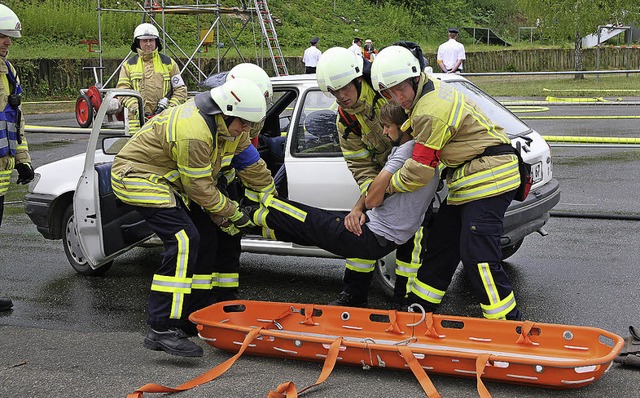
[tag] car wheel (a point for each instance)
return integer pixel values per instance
(72, 248)
(84, 111)
(510, 250)
(384, 274)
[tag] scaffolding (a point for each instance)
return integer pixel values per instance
(158, 13)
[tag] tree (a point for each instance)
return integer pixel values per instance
(574, 19)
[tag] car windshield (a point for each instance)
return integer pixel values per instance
(492, 108)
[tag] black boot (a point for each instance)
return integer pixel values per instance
(5, 304)
(172, 341)
(347, 300)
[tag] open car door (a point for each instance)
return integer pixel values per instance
(105, 227)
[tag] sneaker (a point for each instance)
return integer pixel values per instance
(5, 304)
(347, 300)
(172, 341)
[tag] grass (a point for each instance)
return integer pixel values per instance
(611, 85)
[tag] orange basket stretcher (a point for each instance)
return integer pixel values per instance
(522, 352)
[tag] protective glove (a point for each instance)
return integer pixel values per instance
(25, 173)
(238, 223)
(163, 104)
(241, 220)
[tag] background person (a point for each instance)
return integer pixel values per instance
(356, 47)
(311, 56)
(155, 76)
(369, 50)
(451, 54)
(167, 171)
(14, 151)
(482, 176)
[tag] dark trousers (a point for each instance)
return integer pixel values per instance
(309, 69)
(1, 208)
(326, 230)
(190, 241)
(410, 252)
(469, 232)
(227, 263)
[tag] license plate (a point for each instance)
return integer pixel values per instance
(536, 172)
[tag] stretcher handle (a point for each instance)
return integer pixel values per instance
(203, 378)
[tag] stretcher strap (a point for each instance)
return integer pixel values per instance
(524, 333)
(431, 330)
(481, 362)
(280, 317)
(203, 378)
(418, 372)
(308, 314)
(393, 323)
(288, 389)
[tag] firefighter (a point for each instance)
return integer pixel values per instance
(365, 149)
(168, 171)
(14, 151)
(228, 260)
(155, 76)
(481, 173)
(390, 221)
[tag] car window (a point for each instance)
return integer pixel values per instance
(316, 132)
(493, 109)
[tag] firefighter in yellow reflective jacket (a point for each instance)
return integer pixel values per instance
(155, 76)
(482, 177)
(14, 152)
(365, 148)
(168, 171)
(228, 181)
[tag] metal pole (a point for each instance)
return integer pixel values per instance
(100, 43)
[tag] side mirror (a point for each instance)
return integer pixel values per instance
(113, 145)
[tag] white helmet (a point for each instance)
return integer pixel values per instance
(337, 67)
(9, 22)
(145, 31)
(241, 98)
(393, 65)
(254, 73)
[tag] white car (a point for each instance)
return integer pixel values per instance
(71, 199)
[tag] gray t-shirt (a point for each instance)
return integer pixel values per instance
(400, 215)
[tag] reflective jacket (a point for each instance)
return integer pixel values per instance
(452, 130)
(181, 152)
(365, 154)
(153, 75)
(16, 152)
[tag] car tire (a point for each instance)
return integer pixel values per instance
(384, 274)
(72, 248)
(511, 249)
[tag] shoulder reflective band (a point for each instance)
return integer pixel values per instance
(425, 155)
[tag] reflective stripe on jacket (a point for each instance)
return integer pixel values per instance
(21, 154)
(176, 152)
(366, 154)
(452, 130)
(151, 75)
